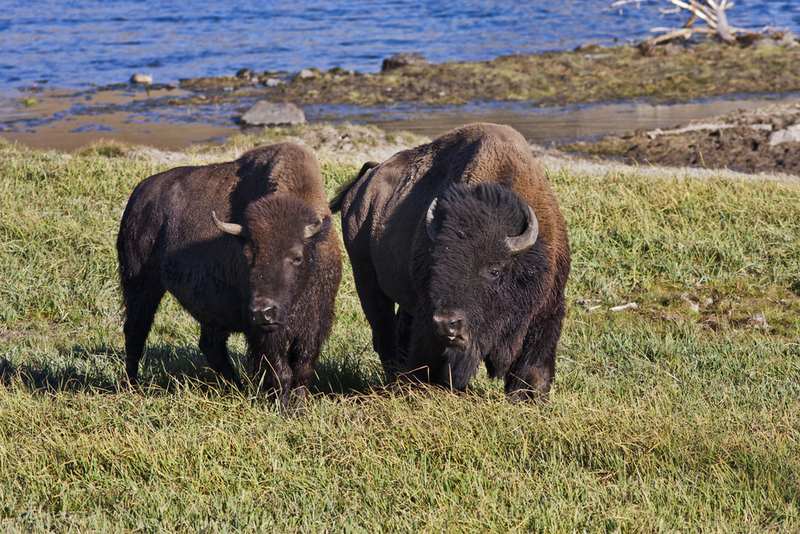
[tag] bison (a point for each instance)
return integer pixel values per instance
(271, 270)
(464, 236)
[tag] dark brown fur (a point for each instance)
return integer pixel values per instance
(169, 242)
(395, 262)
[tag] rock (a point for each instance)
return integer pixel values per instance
(305, 74)
(246, 73)
(788, 135)
(589, 48)
(673, 317)
(273, 82)
(787, 40)
(141, 78)
(766, 44)
(758, 321)
(265, 113)
(693, 306)
(403, 60)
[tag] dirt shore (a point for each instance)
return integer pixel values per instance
(765, 140)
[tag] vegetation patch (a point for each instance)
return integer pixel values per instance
(590, 74)
(678, 415)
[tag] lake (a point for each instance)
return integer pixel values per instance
(73, 44)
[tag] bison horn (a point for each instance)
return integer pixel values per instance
(312, 229)
(430, 224)
(228, 228)
(526, 239)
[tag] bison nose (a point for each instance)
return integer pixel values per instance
(450, 326)
(267, 315)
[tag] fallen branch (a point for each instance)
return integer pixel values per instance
(652, 134)
(628, 306)
(712, 12)
(671, 34)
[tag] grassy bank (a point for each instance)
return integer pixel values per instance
(682, 414)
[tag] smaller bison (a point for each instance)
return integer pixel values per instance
(271, 270)
(464, 236)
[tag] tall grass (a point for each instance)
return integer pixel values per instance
(680, 415)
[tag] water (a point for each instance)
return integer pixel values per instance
(76, 43)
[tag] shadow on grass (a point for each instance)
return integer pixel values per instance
(166, 368)
(101, 369)
(346, 374)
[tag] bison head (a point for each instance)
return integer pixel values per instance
(278, 234)
(480, 261)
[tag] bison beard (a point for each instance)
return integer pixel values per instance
(473, 279)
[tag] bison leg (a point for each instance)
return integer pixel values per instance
(214, 346)
(379, 311)
(532, 373)
(269, 366)
(425, 361)
(303, 358)
(141, 304)
(403, 336)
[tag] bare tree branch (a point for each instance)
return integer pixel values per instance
(712, 12)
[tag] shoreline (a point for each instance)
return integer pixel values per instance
(205, 111)
(56, 122)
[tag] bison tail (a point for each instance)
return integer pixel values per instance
(338, 198)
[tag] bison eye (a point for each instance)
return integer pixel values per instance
(297, 261)
(493, 273)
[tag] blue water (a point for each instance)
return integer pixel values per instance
(73, 44)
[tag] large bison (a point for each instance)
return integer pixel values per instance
(271, 270)
(465, 236)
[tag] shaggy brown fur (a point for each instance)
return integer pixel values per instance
(276, 282)
(396, 262)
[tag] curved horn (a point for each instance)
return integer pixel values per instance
(430, 224)
(312, 228)
(228, 228)
(526, 239)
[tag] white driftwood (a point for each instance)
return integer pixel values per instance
(712, 12)
(628, 306)
(652, 134)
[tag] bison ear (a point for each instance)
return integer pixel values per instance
(527, 238)
(311, 229)
(228, 228)
(430, 222)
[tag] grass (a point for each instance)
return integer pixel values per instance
(680, 415)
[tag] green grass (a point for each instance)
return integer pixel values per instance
(680, 415)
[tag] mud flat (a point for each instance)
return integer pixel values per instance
(752, 140)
